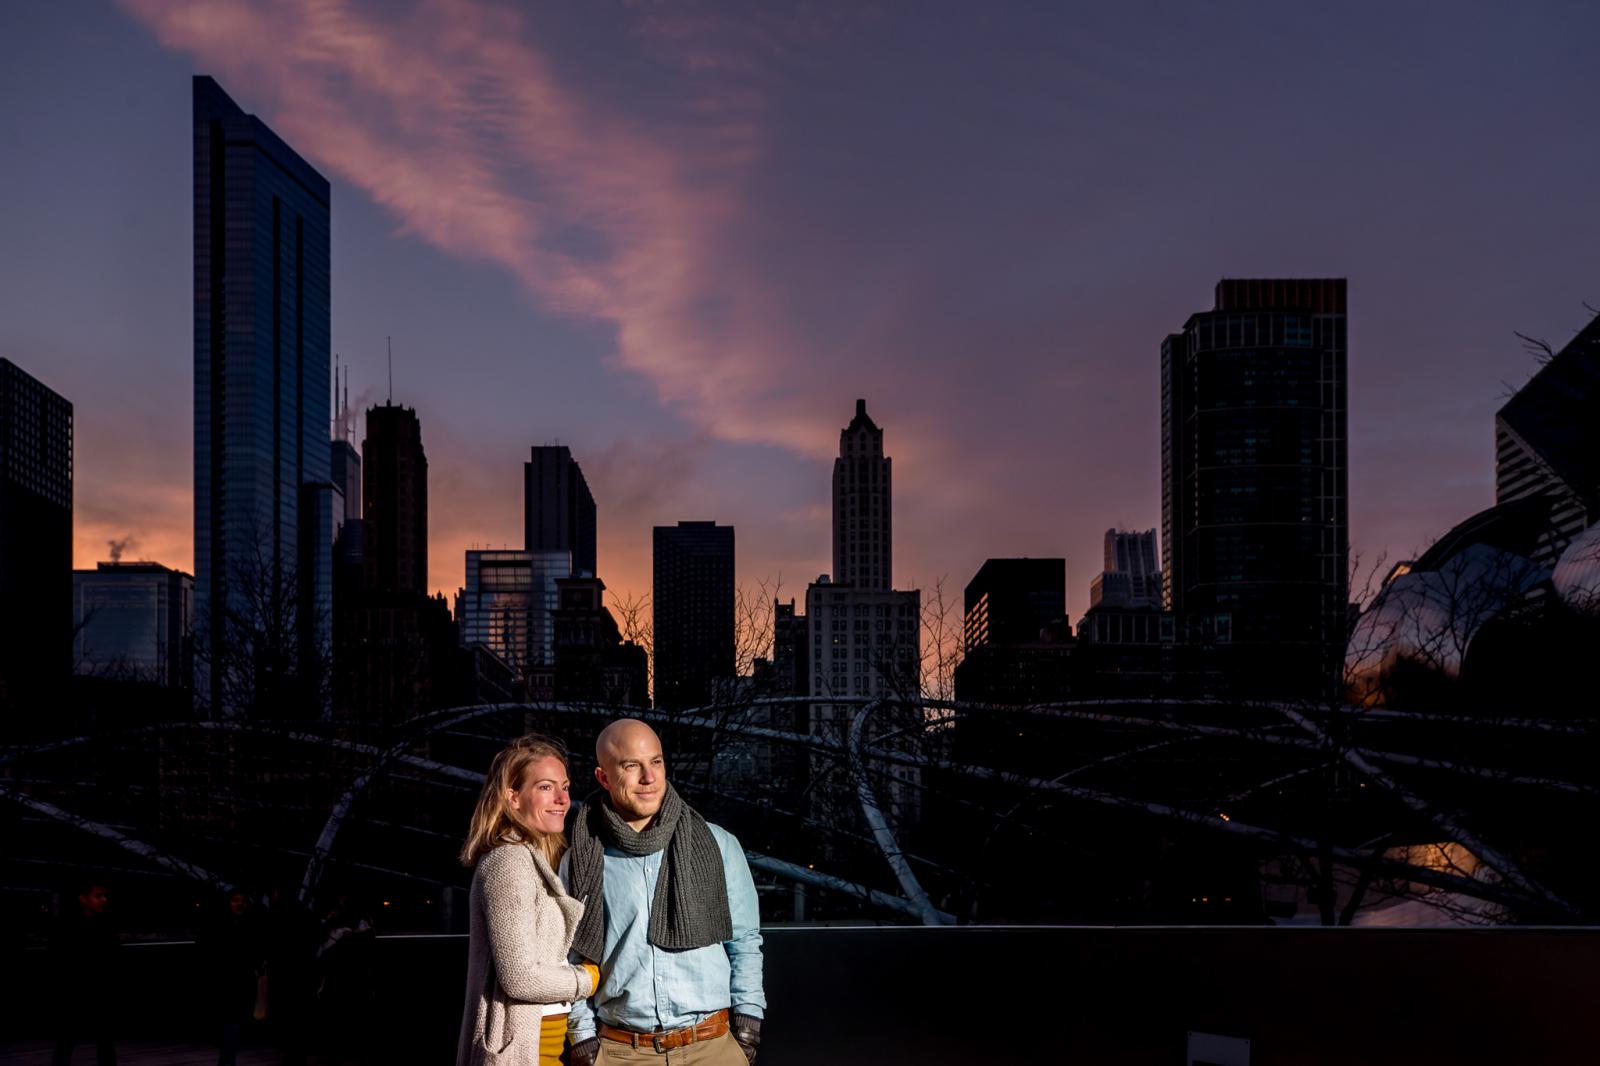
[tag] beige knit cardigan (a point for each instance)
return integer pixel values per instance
(522, 927)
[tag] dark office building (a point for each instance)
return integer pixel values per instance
(398, 651)
(692, 600)
(1009, 601)
(1254, 499)
(1547, 442)
(400, 657)
(593, 663)
(35, 545)
(131, 623)
(395, 503)
(1132, 575)
(1017, 647)
(791, 658)
(263, 497)
(558, 508)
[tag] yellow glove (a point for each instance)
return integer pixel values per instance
(594, 974)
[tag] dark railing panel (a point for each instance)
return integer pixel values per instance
(1011, 994)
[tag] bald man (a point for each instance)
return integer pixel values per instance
(670, 918)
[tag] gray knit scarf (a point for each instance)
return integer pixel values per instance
(690, 908)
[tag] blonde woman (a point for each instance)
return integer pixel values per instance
(519, 985)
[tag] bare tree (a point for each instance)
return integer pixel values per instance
(753, 611)
(1410, 643)
(1537, 347)
(941, 642)
(274, 658)
(754, 607)
(634, 621)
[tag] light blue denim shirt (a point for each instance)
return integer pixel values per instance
(643, 987)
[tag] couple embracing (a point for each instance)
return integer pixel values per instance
(638, 942)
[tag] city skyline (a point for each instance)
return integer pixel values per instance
(1037, 460)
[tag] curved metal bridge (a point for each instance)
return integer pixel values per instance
(1332, 793)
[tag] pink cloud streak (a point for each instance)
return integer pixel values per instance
(449, 117)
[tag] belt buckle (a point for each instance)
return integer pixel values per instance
(655, 1042)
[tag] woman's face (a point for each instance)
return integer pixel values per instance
(545, 795)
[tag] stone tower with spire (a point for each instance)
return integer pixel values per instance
(862, 546)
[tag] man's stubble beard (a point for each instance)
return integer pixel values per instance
(631, 813)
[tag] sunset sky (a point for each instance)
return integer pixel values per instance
(683, 238)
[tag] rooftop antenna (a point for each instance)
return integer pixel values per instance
(391, 368)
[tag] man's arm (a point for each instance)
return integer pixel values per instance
(580, 1023)
(747, 995)
(745, 990)
(582, 1032)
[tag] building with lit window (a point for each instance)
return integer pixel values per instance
(507, 603)
(864, 637)
(1016, 645)
(1008, 601)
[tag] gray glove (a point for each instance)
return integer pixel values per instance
(747, 1031)
(584, 1052)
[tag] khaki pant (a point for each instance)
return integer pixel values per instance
(723, 1051)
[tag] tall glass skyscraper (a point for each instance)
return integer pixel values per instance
(261, 379)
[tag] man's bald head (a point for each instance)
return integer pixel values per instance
(619, 735)
(632, 769)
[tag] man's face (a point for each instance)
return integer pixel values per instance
(634, 772)
(94, 901)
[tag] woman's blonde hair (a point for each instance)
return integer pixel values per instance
(493, 821)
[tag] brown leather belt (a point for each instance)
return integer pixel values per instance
(710, 1028)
